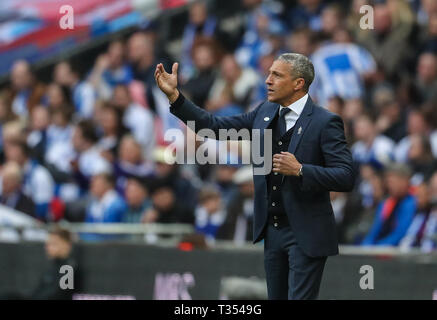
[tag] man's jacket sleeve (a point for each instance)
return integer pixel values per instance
(337, 174)
(186, 110)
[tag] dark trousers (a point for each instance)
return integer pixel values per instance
(290, 273)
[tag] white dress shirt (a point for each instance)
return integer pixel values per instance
(296, 109)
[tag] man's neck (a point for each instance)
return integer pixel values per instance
(293, 99)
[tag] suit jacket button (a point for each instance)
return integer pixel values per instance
(273, 204)
(275, 173)
(275, 224)
(274, 187)
(280, 143)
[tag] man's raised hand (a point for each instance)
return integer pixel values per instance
(168, 82)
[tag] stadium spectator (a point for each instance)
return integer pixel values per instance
(222, 177)
(11, 194)
(205, 58)
(395, 214)
(300, 41)
(110, 123)
(166, 208)
(136, 118)
(200, 25)
(420, 159)
(428, 240)
(307, 13)
(37, 138)
(37, 182)
(426, 80)
(130, 163)
(360, 207)
(209, 215)
(416, 125)
(238, 225)
(331, 20)
(58, 96)
(27, 91)
(241, 80)
(425, 11)
(371, 148)
(414, 236)
(257, 40)
(80, 159)
(170, 175)
(60, 129)
(391, 120)
(137, 200)
(393, 25)
(110, 70)
(6, 115)
(59, 252)
(142, 57)
(259, 93)
(428, 35)
(82, 92)
(106, 206)
(342, 68)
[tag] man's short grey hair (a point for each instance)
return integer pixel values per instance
(302, 67)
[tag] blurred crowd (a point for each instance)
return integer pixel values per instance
(90, 147)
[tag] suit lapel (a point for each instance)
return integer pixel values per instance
(268, 117)
(301, 125)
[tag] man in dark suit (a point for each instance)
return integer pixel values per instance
(11, 194)
(293, 213)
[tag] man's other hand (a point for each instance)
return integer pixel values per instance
(286, 164)
(168, 82)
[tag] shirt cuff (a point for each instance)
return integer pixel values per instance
(179, 101)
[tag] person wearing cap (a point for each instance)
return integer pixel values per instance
(292, 208)
(238, 225)
(395, 214)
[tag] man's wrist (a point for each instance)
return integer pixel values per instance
(173, 97)
(179, 101)
(300, 173)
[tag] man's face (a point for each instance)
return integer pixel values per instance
(135, 193)
(62, 74)
(14, 153)
(130, 151)
(56, 247)
(397, 185)
(427, 68)
(21, 77)
(203, 58)
(363, 129)
(77, 140)
(99, 186)
(163, 198)
(280, 84)
(140, 46)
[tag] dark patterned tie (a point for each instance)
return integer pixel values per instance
(282, 124)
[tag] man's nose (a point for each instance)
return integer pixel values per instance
(268, 81)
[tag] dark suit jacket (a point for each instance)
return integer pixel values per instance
(319, 143)
(20, 202)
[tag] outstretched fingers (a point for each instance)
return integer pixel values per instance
(174, 68)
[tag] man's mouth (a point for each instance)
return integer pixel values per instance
(270, 90)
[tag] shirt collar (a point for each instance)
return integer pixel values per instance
(297, 106)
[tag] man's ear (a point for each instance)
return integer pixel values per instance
(300, 83)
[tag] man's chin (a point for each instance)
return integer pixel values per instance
(270, 99)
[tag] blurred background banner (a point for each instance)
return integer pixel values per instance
(30, 28)
(109, 272)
